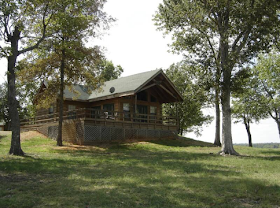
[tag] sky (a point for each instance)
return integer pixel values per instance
(134, 43)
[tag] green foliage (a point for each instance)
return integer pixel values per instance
(65, 49)
(173, 173)
(109, 71)
(267, 72)
(185, 79)
(258, 94)
(24, 106)
(247, 107)
(4, 115)
(222, 33)
(29, 18)
(198, 27)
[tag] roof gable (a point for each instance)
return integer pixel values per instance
(123, 86)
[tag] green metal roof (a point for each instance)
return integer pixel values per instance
(122, 86)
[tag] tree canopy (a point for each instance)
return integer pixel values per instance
(247, 108)
(109, 71)
(267, 72)
(23, 26)
(229, 32)
(64, 58)
(189, 112)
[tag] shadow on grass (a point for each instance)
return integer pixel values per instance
(182, 142)
(267, 154)
(130, 175)
(271, 152)
(128, 179)
(2, 137)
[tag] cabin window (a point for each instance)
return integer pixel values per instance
(51, 109)
(95, 112)
(71, 111)
(153, 112)
(142, 96)
(109, 108)
(153, 99)
(126, 111)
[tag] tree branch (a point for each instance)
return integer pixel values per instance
(6, 30)
(43, 35)
(211, 46)
(3, 51)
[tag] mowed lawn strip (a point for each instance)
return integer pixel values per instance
(170, 173)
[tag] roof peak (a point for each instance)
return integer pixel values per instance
(132, 75)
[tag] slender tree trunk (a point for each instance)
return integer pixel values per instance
(278, 125)
(181, 132)
(62, 67)
(217, 141)
(12, 102)
(247, 126)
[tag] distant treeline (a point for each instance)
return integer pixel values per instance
(263, 145)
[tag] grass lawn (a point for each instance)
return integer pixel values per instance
(173, 173)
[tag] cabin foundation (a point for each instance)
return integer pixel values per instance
(84, 132)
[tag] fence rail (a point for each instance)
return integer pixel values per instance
(103, 115)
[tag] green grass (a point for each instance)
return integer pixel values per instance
(173, 173)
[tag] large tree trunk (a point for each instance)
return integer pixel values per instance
(12, 102)
(226, 69)
(218, 119)
(227, 145)
(62, 67)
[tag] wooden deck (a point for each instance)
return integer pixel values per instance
(106, 118)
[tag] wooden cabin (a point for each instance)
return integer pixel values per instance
(125, 108)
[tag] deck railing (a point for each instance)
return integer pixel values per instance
(103, 115)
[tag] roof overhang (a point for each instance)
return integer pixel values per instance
(163, 86)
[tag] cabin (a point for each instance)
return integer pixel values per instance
(128, 108)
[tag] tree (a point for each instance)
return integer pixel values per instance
(64, 59)
(247, 107)
(190, 114)
(24, 106)
(233, 32)
(4, 113)
(109, 71)
(23, 27)
(267, 72)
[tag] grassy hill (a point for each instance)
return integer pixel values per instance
(171, 173)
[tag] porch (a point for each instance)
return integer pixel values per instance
(88, 125)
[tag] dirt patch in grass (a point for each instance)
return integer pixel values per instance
(5, 133)
(30, 134)
(73, 147)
